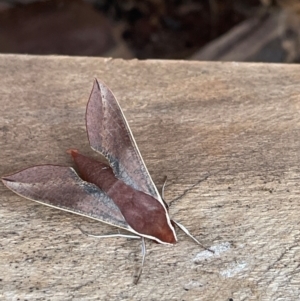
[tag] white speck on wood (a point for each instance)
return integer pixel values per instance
(218, 249)
(233, 269)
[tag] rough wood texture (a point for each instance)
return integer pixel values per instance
(227, 135)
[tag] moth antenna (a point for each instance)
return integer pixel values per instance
(187, 232)
(143, 260)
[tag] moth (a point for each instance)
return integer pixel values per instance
(120, 193)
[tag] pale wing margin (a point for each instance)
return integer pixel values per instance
(110, 135)
(62, 188)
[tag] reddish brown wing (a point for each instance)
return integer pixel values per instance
(60, 187)
(110, 135)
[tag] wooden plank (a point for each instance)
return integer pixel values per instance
(227, 135)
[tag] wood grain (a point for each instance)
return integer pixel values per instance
(227, 135)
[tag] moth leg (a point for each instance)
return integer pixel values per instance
(108, 235)
(187, 232)
(143, 260)
(125, 236)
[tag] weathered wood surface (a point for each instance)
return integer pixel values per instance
(227, 135)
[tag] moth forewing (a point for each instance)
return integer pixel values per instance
(109, 134)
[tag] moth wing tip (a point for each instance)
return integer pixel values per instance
(6, 181)
(97, 84)
(7, 178)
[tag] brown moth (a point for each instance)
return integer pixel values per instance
(120, 193)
